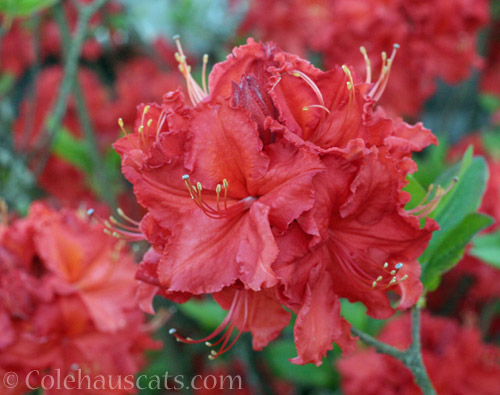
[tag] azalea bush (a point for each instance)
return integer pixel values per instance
(301, 196)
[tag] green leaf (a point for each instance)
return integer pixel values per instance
(416, 190)
(73, 150)
(452, 248)
(16, 8)
(453, 216)
(487, 248)
(432, 164)
(355, 314)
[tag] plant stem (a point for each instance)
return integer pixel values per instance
(412, 357)
(99, 175)
(70, 71)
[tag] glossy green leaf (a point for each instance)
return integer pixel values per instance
(15, 8)
(487, 248)
(416, 190)
(452, 248)
(453, 214)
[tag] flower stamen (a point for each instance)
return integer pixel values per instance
(112, 227)
(313, 86)
(122, 127)
(196, 93)
(226, 326)
(368, 65)
(379, 87)
(427, 206)
(196, 194)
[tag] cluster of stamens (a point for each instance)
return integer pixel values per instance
(375, 93)
(226, 326)
(379, 87)
(144, 129)
(381, 280)
(220, 209)
(429, 204)
(128, 231)
(196, 93)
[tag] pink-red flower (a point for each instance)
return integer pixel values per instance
(457, 361)
(67, 300)
(437, 38)
(278, 184)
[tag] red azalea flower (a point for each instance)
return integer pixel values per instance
(437, 38)
(276, 156)
(456, 359)
(67, 299)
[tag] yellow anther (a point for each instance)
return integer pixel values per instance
(225, 183)
(393, 281)
(404, 277)
(374, 284)
(218, 189)
(379, 278)
(150, 122)
(393, 272)
(386, 265)
(198, 186)
(120, 122)
(146, 109)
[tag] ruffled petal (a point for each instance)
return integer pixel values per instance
(208, 254)
(225, 144)
(319, 323)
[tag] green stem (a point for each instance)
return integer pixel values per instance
(53, 124)
(99, 175)
(412, 357)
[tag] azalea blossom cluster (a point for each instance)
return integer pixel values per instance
(457, 359)
(67, 301)
(437, 37)
(277, 184)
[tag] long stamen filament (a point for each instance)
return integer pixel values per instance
(310, 82)
(122, 127)
(196, 195)
(196, 93)
(368, 65)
